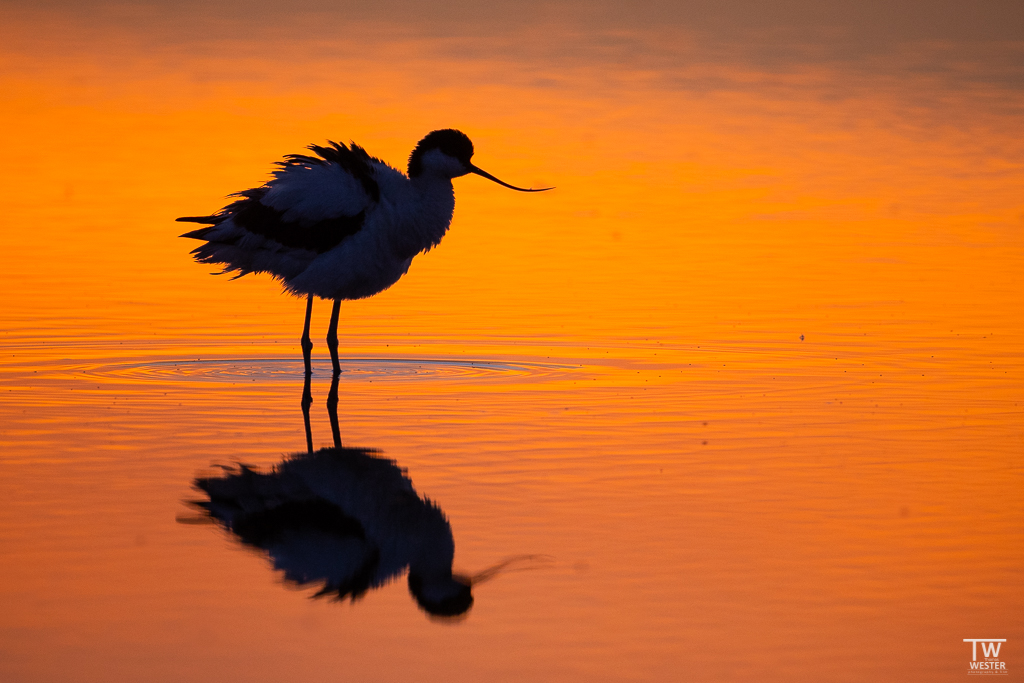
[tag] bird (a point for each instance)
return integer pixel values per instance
(338, 223)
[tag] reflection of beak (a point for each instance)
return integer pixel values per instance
(516, 563)
(485, 174)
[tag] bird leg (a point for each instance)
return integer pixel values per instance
(332, 337)
(307, 400)
(332, 411)
(307, 345)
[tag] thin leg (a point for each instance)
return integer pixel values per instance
(332, 411)
(332, 337)
(307, 345)
(307, 400)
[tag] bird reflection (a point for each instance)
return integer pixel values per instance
(346, 520)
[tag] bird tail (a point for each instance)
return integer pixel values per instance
(199, 234)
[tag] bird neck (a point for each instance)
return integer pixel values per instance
(435, 208)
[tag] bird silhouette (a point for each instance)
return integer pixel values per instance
(347, 521)
(340, 224)
(344, 519)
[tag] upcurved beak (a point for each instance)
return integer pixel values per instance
(485, 174)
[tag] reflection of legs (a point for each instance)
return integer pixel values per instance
(332, 411)
(332, 337)
(307, 345)
(307, 400)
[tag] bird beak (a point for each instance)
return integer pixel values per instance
(485, 174)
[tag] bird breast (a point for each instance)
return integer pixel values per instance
(420, 221)
(405, 222)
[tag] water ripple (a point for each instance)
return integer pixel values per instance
(287, 370)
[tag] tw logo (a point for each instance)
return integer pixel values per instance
(990, 655)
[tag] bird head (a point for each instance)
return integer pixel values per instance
(443, 595)
(447, 154)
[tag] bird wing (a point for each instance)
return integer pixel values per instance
(313, 202)
(307, 538)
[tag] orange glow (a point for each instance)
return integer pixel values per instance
(751, 373)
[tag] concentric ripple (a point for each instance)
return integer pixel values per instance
(264, 370)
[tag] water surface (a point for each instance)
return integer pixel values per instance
(750, 377)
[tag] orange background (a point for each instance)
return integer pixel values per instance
(611, 373)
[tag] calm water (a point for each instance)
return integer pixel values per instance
(747, 387)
